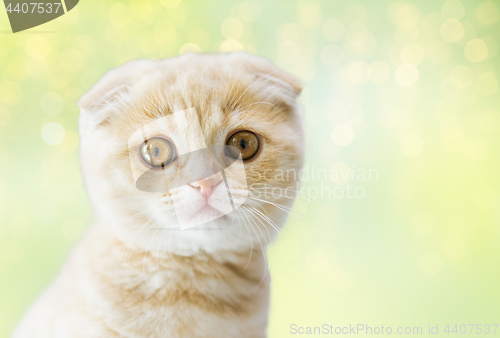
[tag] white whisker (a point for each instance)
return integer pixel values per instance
(268, 220)
(279, 206)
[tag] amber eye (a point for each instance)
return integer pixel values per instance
(245, 143)
(157, 152)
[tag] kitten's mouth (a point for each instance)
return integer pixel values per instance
(207, 211)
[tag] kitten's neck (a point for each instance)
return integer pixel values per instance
(150, 273)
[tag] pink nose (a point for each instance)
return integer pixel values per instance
(207, 185)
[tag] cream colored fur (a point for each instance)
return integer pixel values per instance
(134, 274)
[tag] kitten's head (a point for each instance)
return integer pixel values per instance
(204, 142)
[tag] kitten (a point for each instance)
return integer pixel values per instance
(179, 158)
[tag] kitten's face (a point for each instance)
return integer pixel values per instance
(155, 135)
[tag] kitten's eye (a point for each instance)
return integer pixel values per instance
(157, 152)
(246, 143)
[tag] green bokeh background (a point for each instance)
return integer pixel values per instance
(407, 89)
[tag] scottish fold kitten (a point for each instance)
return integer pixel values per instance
(179, 158)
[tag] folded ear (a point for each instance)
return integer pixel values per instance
(270, 73)
(95, 105)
